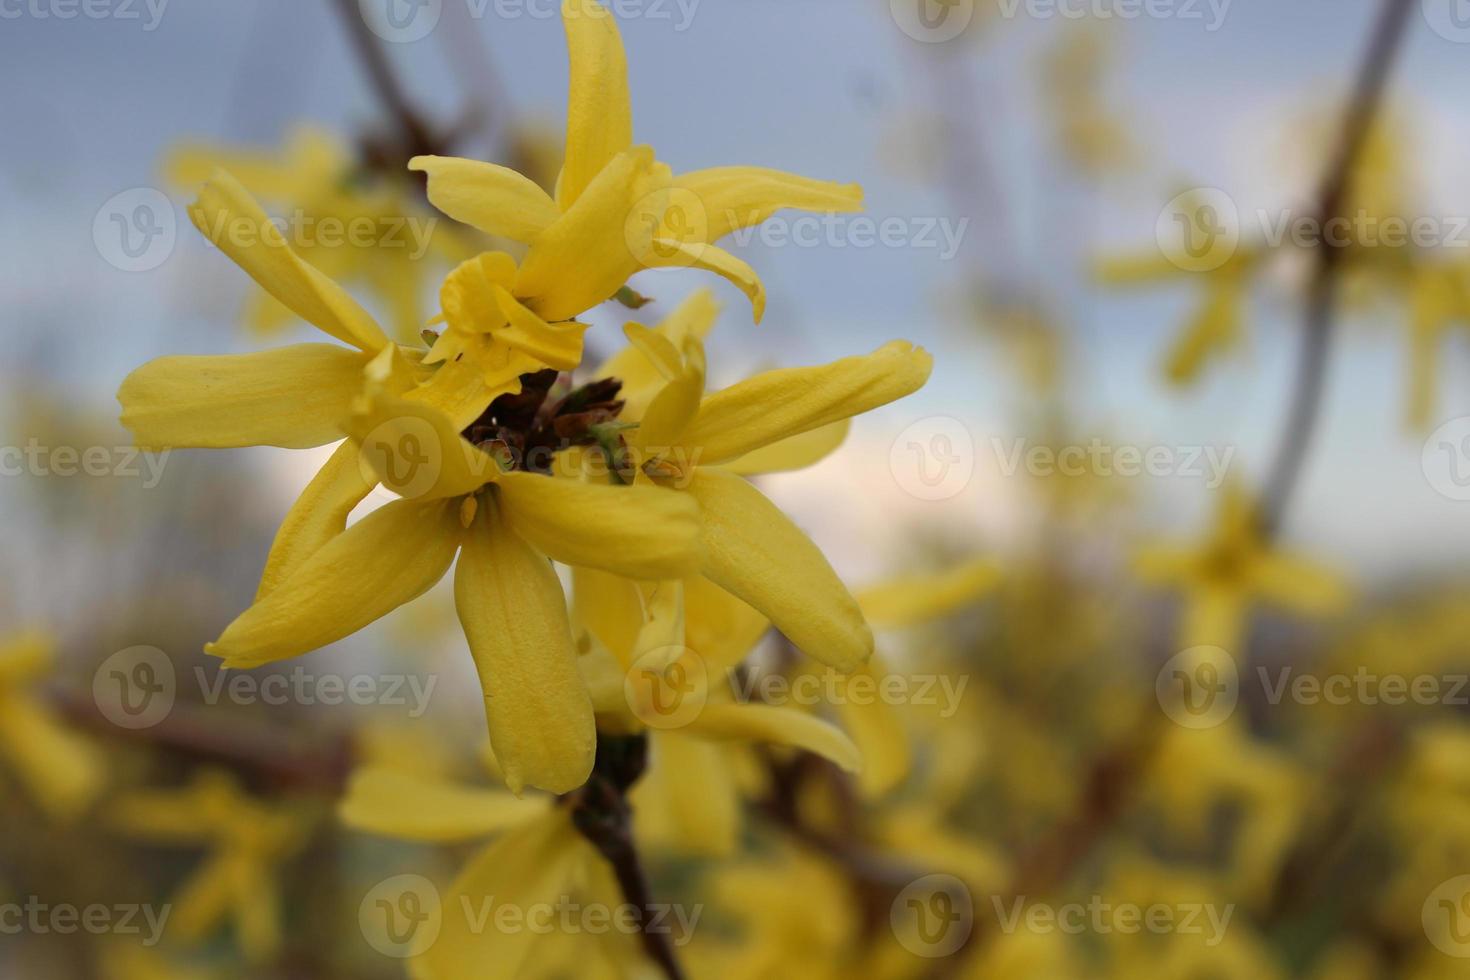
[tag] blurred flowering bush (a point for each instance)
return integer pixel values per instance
(681, 745)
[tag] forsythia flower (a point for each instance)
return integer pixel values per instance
(1235, 568)
(61, 769)
(247, 841)
(1090, 133)
(1216, 328)
(617, 209)
(503, 525)
(318, 176)
(703, 446)
(669, 678)
(537, 859)
(1439, 301)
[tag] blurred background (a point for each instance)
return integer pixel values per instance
(1097, 214)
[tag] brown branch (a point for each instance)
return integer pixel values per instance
(601, 813)
(1316, 345)
(416, 136)
(261, 750)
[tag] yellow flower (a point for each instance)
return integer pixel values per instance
(796, 918)
(291, 397)
(1439, 300)
(667, 672)
(776, 421)
(247, 840)
(616, 210)
(902, 602)
(1235, 568)
(911, 600)
(1216, 327)
(316, 175)
(503, 525)
(492, 331)
(537, 860)
(61, 769)
(1090, 133)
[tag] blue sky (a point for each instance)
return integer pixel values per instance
(833, 90)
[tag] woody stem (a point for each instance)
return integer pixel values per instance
(415, 133)
(601, 813)
(1316, 344)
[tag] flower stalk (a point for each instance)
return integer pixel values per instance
(601, 813)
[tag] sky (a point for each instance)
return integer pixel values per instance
(829, 89)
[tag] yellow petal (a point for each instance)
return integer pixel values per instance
(191, 816)
(514, 614)
(229, 217)
(641, 532)
(558, 346)
(599, 111)
(688, 801)
(459, 390)
(291, 397)
(1131, 270)
(641, 377)
(912, 600)
(754, 551)
(794, 453)
(256, 906)
(610, 607)
(877, 731)
(1213, 616)
(63, 770)
(26, 657)
(406, 805)
(669, 254)
(669, 413)
(467, 297)
(1162, 564)
(317, 516)
(188, 165)
(390, 557)
(415, 450)
(202, 901)
(1214, 330)
(721, 628)
(738, 197)
(1300, 585)
(494, 199)
(768, 723)
(528, 868)
(779, 404)
(601, 237)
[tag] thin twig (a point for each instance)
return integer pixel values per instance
(416, 135)
(600, 811)
(1316, 344)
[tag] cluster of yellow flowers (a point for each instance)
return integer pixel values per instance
(507, 457)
